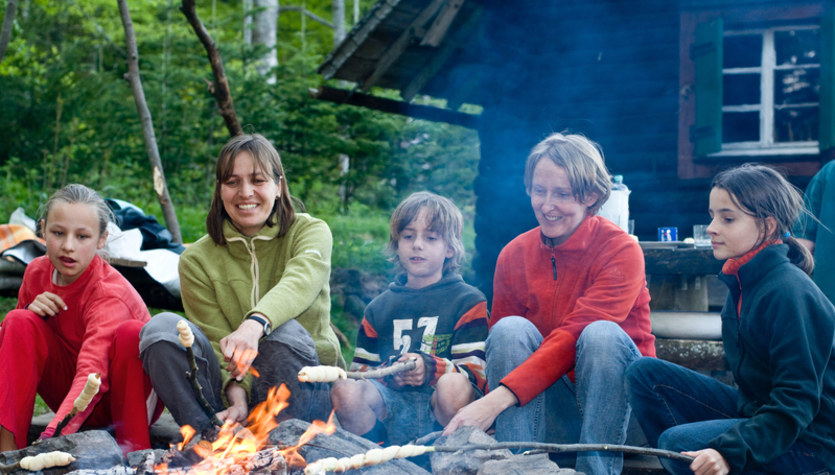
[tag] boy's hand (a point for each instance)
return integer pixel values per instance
(47, 304)
(415, 377)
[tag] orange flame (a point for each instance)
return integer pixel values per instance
(236, 444)
(292, 455)
(245, 355)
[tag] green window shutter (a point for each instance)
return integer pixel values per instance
(707, 58)
(826, 110)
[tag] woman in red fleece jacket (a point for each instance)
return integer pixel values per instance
(569, 298)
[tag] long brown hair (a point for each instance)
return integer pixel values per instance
(267, 160)
(762, 192)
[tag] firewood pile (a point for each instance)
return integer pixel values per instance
(96, 453)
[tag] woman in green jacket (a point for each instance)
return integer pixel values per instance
(256, 292)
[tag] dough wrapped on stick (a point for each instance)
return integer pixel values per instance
(329, 374)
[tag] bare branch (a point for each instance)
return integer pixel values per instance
(307, 13)
(160, 186)
(220, 86)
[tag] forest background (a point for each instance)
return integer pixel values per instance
(67, 115)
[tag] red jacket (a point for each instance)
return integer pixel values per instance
(97, 302)
(597, 274)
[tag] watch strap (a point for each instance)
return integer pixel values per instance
(263, 321)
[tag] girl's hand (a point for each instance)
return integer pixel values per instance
(708, 462)
(415, 377)
(240, 348)
(481, 413)
(238, 408)
(47, 304)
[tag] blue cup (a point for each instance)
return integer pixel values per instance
(668, 234)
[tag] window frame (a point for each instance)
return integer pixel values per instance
(766, 107)
(799, 161)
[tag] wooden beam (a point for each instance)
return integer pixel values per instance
(414, 30)
(439, 59)
(435, 114)
(436, 33)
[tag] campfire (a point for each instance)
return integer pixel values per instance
(240, 449)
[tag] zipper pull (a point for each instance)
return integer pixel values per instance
(554, 264)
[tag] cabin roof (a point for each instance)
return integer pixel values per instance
(405, 44)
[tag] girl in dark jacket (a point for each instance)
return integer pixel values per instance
(778, 330)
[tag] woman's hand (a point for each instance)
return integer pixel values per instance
(238, 408)
(47, 304)
(482, 412)
(415, 377)
(708, 462)
(240, 348)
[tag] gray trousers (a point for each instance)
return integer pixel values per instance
(280, 357)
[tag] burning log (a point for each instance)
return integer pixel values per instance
(329, 374)
(91, 388)
(187, 340)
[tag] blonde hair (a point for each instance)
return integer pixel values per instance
(444, 218)
(76, 193)
(582, 160)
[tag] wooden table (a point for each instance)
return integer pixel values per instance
(680, 277)
(677, 274)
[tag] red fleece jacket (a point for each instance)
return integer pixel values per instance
(597, 274)
(97, 302)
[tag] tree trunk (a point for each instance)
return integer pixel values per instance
(160, 186)
(8, 23)
(264, 29)
(247, 8)
(338, 21)
(220, 86)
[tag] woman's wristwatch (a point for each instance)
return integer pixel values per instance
(263, 321)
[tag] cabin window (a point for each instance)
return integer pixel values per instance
(770, 90)
(759, 88)
(757, 84)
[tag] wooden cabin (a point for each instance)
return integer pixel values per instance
(673, 91)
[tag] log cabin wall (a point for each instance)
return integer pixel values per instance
(606, 69)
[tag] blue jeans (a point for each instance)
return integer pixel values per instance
(682, 410)
(556, 415)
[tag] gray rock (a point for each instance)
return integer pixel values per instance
(533, 464)
(92, 449)
(467, 462)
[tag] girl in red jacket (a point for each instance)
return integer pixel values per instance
(76, 315)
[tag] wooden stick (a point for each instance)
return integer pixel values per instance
(329, 374)
(66, 420)
(395, 368)
(186, 338)
(378, 456)
(198, 389)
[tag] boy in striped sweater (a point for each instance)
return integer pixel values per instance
(428, 314)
